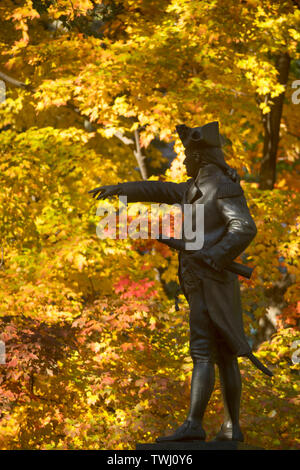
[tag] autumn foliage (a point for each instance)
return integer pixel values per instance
(96, 351)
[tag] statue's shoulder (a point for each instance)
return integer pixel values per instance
(228, 188)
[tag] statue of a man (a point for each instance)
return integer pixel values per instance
(212, 291)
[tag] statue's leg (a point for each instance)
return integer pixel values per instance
(203, 376)
(231, 386)
(202, 385)
(202, 350)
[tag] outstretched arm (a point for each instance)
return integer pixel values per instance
(144, 191)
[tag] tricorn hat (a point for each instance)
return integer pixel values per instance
(205, 136)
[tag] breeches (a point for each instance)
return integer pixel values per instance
(206, 344)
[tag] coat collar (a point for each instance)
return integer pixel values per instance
(194, 191)
(207, 170)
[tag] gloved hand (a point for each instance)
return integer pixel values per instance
(105, 192)
(207, 259)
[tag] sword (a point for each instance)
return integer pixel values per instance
(233, 267)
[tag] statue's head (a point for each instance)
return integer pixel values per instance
(192, 161)
(201, 144)
(202, 137)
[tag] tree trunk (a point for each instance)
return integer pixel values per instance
(140, 158)
(271, 122)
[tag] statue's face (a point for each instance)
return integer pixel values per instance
(191, 163)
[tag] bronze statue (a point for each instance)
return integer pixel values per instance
(208, 276)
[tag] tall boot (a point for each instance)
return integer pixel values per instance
(202, 385)
(231, 386)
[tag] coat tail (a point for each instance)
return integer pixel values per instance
(259, 365)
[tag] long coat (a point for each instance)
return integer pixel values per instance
(228, 230)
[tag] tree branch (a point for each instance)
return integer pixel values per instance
(123, 138)
(14, 82)
(140, 158)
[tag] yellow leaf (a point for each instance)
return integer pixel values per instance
(79, 261)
